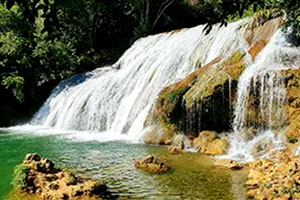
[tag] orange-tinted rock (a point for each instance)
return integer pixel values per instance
(231, 164)
(208, 142)
(178, 149)
(38, 176)
(274, 179)
(152, 164)
(159, 136)
(256, 47)
(292, 107)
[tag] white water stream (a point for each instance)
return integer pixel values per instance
(262, 84)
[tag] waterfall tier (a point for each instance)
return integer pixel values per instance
(118, 98)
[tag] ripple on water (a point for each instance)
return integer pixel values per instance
(192, 176)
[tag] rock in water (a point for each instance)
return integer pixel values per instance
(178, 149)
(231, 164)
(38, 176)
(152, 164)
(209, 142)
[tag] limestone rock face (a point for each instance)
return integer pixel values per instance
(203, 100)
(152, 164)
(208, 142)
(292, 107)
(39, 177)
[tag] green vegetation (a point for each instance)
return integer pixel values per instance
(291, 139)
(20, 174)
(45, 41)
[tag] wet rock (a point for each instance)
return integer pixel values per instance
(159, 136)
(152, 164)
(39, 176)
(191, 106)
(230, 164)
(256, 47)
(174, 150)
(274, 179)
(205, 99)
(178, 149)
(208, 142)
(292, 107)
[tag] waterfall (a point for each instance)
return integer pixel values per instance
(258, 117)
(115, 100)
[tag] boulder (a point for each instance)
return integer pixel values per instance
(159, 136)
(152, 164)
(208, 142)
(178, 149)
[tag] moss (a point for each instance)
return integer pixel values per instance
(167, 101)
(203, 100)
(291, 139)
(71, 180)
(20, 176)
(208, 81)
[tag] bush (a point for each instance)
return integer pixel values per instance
(19, 177)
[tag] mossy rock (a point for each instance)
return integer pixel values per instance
(292, 107)
(20, 176)
(204, 99)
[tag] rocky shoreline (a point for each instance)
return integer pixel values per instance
(38, 176)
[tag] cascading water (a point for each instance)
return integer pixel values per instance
(259, 119)
(116, 100)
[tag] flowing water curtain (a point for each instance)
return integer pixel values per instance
(261, 106)
(260, 121)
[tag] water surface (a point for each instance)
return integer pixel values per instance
(192, 175)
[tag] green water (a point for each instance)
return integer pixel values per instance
(192, 176)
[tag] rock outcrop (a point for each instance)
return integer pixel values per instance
(274, 179)
(292, 107)
(151, 164)
(38, 176)
(208, 142)
(205, 99)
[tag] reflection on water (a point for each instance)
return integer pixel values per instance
(192, 175)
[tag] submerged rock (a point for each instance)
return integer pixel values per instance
(230, 164)
(208, 142)
(38, 176)
(152, 164)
